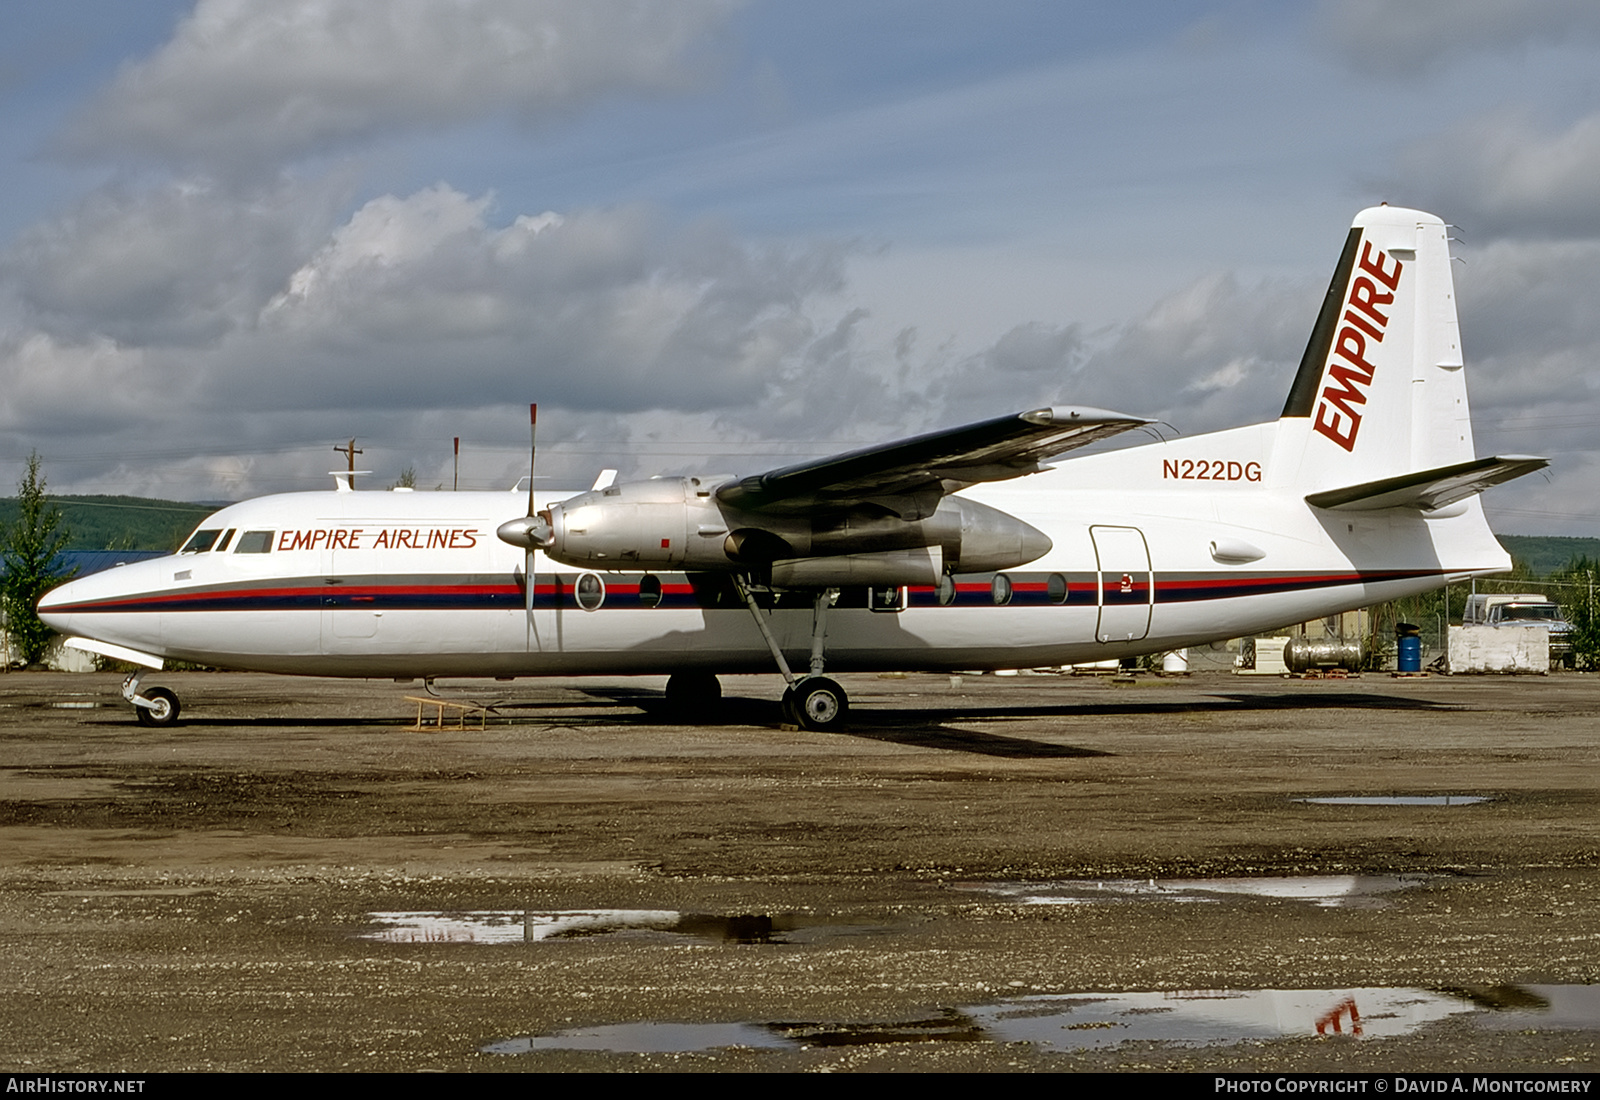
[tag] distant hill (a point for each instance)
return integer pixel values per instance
(121, 523)
(1544, 554)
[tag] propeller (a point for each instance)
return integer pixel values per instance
(532, 531)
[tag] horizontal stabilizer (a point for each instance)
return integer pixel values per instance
(1428, 489)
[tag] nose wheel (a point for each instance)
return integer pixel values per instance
(162, 711)
(155, 706)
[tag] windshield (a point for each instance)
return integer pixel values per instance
(1542, 612)
(201, 540)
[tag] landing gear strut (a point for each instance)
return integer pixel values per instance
(812, 701)
(157, 706)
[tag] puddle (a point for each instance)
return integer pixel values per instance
(647, 1039)
(1398, 800)
(74, 705)
(517, 926)
(1083, 1021)
(1221, 1017)
(1329, 891)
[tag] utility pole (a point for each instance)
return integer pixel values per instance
(350, 450)
(456, 483)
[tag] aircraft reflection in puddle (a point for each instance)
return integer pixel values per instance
(1084, 1021)
(1333, 891)
(518, 926)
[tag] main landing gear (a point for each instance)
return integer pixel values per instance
(157, 706)
(812, 701)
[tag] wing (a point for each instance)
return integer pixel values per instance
(911, 475)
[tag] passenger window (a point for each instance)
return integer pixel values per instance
(1056, 588)
(201, 541)
(650, 590)
(591, 592)
(254, 542)
(1000, 589)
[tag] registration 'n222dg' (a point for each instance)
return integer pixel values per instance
(1204, 469)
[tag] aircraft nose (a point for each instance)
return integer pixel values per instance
(50, 604)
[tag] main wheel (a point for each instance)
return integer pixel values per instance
(693, 695)
(816, 703)
(163, 709)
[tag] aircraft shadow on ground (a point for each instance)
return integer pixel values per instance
(933, 725)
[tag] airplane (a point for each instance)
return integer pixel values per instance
(961, 549)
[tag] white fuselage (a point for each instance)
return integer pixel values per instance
(1154, 548)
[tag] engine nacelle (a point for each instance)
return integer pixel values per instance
(678, 523)
(662, 523)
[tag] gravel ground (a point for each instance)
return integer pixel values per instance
(198, 897)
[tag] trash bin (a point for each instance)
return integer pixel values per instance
(1409, 642)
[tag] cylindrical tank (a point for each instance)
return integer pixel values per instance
(1304, 654)
(1409, 643)
(1177, 661)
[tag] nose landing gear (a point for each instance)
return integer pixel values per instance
(157, 706)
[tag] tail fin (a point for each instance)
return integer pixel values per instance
(1380, 393)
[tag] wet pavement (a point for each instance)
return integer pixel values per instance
(1031, 872)
(1215, 1018)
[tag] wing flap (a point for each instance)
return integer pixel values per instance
(1428, 489)
(929, 465)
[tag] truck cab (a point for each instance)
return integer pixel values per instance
(1519, 610)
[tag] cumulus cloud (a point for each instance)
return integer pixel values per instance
(1382, 37)
(1533, 346)
(181, 263)
(1505, 175)
(594, 309)
(249, 82)
(187, 305)
(1215, 354)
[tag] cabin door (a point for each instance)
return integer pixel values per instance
(349, 612)
(1127, 587)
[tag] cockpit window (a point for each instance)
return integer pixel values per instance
(201, 541)
(254, 542)
(227, 538)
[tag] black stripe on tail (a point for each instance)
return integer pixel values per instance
(1303, 394)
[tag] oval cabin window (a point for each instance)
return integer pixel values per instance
(650, 590)
(591, 591)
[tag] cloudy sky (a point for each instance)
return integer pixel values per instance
(714, 235)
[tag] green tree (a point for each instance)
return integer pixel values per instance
(29, 553)
(1576, 584)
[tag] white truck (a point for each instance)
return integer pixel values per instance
(1523, 609)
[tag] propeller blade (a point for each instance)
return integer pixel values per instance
(533, 450)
